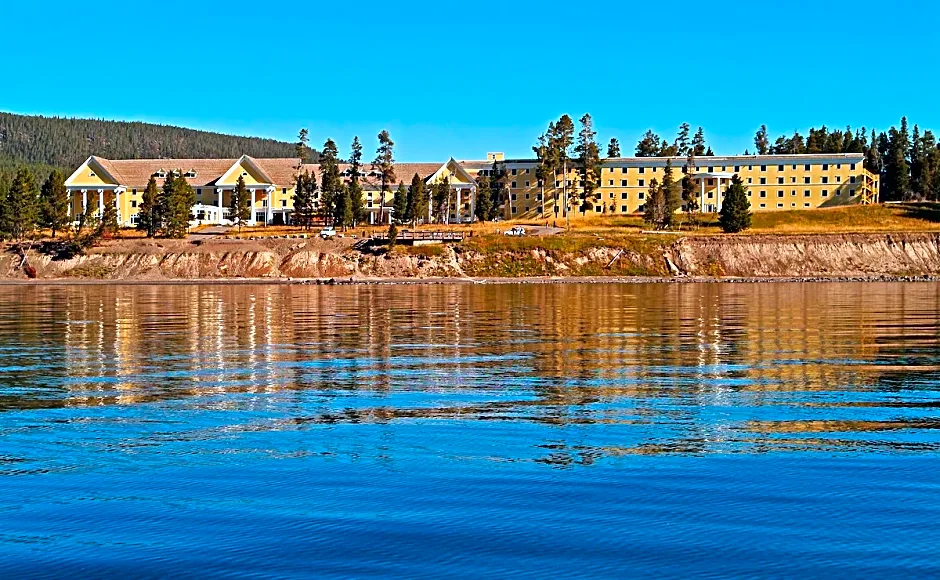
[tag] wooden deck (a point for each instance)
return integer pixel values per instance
(408, 237)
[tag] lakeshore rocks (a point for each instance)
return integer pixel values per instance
(913, 256)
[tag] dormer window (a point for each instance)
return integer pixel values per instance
(160, 173)
(190, 173)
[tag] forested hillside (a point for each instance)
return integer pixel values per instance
(65, 143)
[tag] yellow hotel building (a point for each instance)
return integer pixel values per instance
(773, 182)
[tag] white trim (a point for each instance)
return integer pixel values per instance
(85, 165)
(252, 164)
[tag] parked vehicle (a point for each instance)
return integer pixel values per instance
(515, 231)
(328, 232)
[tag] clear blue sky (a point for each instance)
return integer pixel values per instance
(452, 78)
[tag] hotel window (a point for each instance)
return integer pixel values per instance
(133, 203)
(825, 179)
(750, 167)
(641, 195)
(623, 183)
(539, 183)
(779, 180)
(611, 195)
(838, 179)
(763, 181)
(623, 170)
(527, 184)
(526, 171)
(806, 167)
(779, 205)
(283, 203)
(527, 195)
(779, 193)
(852, 179)
(133, 192)
(838, 166)
(737, 168)
(527, 208)
(598, 209)
(513, 185)
(641, 170)
(792, 205)
(513, 171)
(851, 192)
(623, 209)
(792, 192)
(763, 205)
(763, 193)
(806, 180)
(514, 209)
(825, 167)
(711, 194)
(641, 183)
(792, 180)
(780, 168)
(763, 168)
(538, 197)
(655, 169)
(623, 195)
(611, 182)
(749, 180)
(749, 194)
(852, 167)
(711, 169)
(284, 190)
(806, 193)
(711, 182)
(513, 197)
(825, 193)
(794, 166)
(199, 191)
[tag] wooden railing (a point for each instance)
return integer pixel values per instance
(410, 236)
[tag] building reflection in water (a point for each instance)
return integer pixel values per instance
(683, 367)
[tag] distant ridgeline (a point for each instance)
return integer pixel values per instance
(43, 142)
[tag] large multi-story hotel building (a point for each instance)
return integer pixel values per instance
(773, 182)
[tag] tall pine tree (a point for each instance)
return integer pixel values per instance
(148, 212)
(54, 203)
(735, 215)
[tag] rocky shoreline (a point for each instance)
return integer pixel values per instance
(907, 257)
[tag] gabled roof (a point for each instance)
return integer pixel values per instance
(99, 165)
(240, 163)
(136, 173)
(457, 170)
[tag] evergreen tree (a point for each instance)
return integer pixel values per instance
(54, 203)
(649, 145)
(499, 187)
(698, 143)
(20, 213)
(148, 212)
(6, 180)
(589, 160)
(682, 144)
(872, 156)
(562, 140)
(672, 196)
(331, 183)
(897, 169)
(392, 234)
(690, 197)
(304, 205)
(613, 148)
(108, 225)
(384, 163)
(735, 215)
(344, 210)
(400, 203)
(417, 203)
(441, 199)
(655, 205)
(709, 152)
(176, 203)
(240, 208)
(545, 169)
(355, 189)
(301, 149)
(484, 203)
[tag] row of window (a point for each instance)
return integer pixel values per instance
(711, 168)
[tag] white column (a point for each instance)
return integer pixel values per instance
(268, 213)
(718, 196)
(251, 204)
(100, 203)
(84, 201)
(473, 204)
(457, 209)
(219, 192)
(701, 206)
(70, 205)
(117, 205)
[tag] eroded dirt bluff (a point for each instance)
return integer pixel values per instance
(826, 255)
(844, 255)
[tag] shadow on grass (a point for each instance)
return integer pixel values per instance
(927, 211)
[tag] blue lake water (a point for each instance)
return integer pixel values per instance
(508, 430)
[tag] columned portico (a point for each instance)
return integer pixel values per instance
(719, 177)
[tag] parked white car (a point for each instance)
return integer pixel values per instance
(328, 232)
(515, 231)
